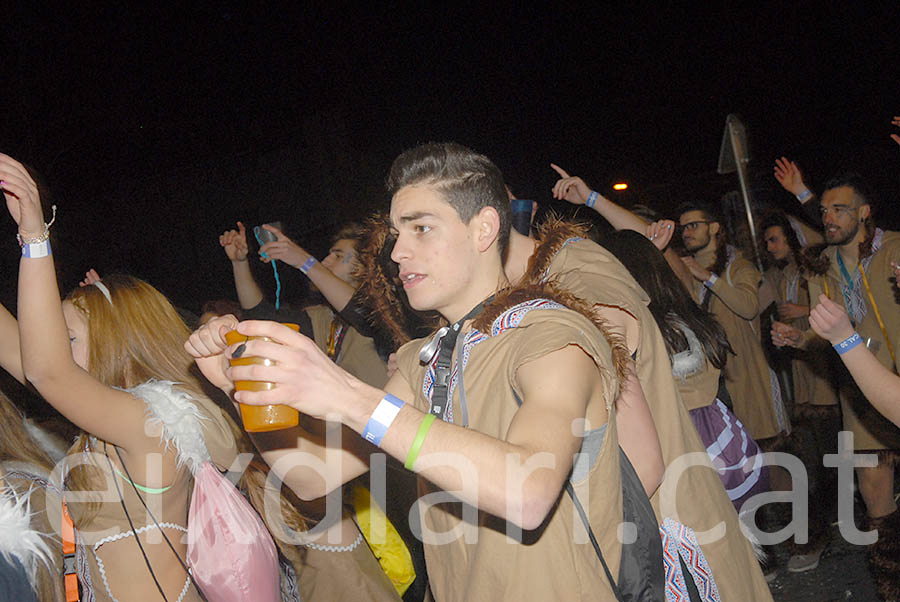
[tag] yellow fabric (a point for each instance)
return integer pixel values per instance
(391, 552)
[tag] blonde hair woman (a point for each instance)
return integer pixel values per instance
(110, 359)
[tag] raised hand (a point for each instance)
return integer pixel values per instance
(570, 188)
(792, 311)
(660, 233)
(896, 121)
(830, 321)
(206, 346)
(90, 277)
(235, 243)
(22, 198)
(283, 249)
(789, 176)
(784, 335)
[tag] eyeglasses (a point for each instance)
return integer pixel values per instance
(692, 225)
(836, 210)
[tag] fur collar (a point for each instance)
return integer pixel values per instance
(551, 236)
(512, 296)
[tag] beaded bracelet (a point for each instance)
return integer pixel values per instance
(43, 237)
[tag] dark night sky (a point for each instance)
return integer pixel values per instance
(156, 129)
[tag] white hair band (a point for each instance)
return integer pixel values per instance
(103, 290)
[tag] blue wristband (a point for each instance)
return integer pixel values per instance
(847, 344)
(709, 282)
(592, 199)
(384, 414)
(307, 265)
(804, 195)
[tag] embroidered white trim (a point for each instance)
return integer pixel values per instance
(123, 535)
(180, 418)
(17, 537)
(323, 548)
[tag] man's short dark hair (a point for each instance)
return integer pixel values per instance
(862, 192)
(709, 212)
(466, 180)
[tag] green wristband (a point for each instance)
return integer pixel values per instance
(418, 441)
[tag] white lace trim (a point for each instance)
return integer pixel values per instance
(129, 533)
(179, 417)
(323, 548)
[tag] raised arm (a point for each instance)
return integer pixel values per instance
(574, 190)
(791, 179)
(235, 244)
(556, 390)
(335, 290)
(880, 386)
(48, 343)
(10, 354)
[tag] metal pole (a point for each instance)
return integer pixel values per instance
(741, 160)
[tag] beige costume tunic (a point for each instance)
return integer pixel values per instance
(870, 429)
(695, 498)
(549, 565)
(812, 369)
(750, 382)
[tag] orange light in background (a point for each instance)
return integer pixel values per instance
(620, 186)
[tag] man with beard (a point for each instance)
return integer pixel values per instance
(855, 269)
(727, 285)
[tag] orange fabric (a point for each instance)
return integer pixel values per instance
(68, 541)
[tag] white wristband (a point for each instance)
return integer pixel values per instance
(382, 418)
(33, 250)
(804, 195)
(709, 282)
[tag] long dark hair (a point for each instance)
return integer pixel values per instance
(670, 302)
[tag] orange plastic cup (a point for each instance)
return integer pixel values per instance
(259, 419)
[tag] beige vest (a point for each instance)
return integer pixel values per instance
(549, 565)
(870, 429)
(812, 369)
(747, 375)
(589, 271)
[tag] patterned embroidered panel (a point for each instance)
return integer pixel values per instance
(679, 540)
(510, 318)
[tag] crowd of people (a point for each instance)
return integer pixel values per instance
(483, 413)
